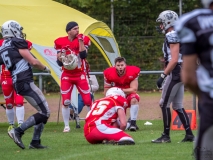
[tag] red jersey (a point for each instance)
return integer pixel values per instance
(111, 77)
(4, 71)
(63, 42)
(104, 111)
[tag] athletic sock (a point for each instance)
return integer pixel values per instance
(10, 115)
(166, 120)
(88, 108)
(38, 131)
(134, 112)
(185, 120)
(66, 115)
(20, 114)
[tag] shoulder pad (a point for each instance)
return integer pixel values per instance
(172, 37)
(20, 43)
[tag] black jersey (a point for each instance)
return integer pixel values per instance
(19, 68)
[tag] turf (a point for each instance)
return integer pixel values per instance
(73, 145)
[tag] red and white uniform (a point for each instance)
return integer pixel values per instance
(10, 95)
(99, 120)
(73, 77)
(113, 80)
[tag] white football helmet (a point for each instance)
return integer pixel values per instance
(167, 18)
(12, 28)
(115, 91)
(69, 61)
(206, 3)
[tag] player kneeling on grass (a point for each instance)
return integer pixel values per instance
(101, 121)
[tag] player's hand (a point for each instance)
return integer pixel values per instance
(80, 37)
(47, 69)
(160, 81)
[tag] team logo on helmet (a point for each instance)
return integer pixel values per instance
(169, 16)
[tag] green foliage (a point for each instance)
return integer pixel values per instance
(134, 30)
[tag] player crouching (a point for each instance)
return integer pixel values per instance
(101, 124)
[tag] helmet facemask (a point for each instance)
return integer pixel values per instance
(12, 29)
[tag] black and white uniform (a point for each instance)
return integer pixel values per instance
(173, 88)
(195, 30)
(22, 76)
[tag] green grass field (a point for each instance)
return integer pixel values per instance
(73, 145)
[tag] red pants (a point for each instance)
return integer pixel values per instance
(131, 96)
(10, 95)
(80, 81)
(102, 132)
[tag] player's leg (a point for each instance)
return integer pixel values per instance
(133, 100)
(204, 140)
(168, 94)
(83, 88)
(109, 135)
(66, 89)
(8, 91)
(36, 98)
(19, 101)
(177, 105)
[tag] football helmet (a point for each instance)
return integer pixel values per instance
(167, 18)
(12, 28)
(206, 3)
(115, 91)
(69, 61)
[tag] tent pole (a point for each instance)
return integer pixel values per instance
(112, 16)
(180, 7)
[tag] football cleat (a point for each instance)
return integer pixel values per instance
(126, 142)
(188, 138)
(36, 144)
(9, 129)
(16, 136)
(66, 129)
(163, 139)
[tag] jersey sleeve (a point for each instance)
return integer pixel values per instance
(29, 44)
(20, 43)
(135, 71)
(107, 82)
(1, 41)
(172, 37)
(87, 42)
(57, 45)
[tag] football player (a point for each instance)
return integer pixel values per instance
(126, 78)
(11, 98)
(102, 125)
(173, 88)
(71, 56)
(195, 30)
(16, 57)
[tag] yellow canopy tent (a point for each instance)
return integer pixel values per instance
(45, 20)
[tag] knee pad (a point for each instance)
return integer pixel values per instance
(40, 118)
(67, 102)
(9, 106)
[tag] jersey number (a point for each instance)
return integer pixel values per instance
(99, 107)
(6, 59)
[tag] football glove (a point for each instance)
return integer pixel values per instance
(80, 37)
(47, 69)
(160, 81)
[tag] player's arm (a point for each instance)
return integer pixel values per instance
(82, 48)
(133, 87)
(122, 118)
(25, 53)
(175, 49)
(188, 72)
(94, 83)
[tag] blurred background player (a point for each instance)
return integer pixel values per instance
(195, 32)
(126, 78)
(101, 125)
(75, 110)
(16, 56)
(11, 98)
(71, 55)
(173, 88)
